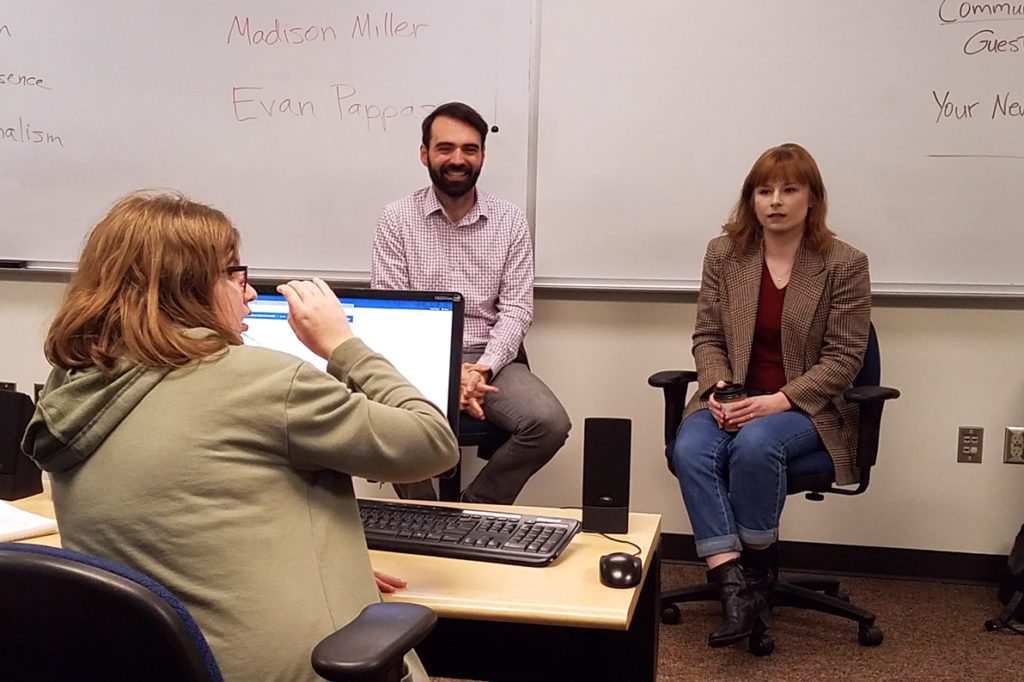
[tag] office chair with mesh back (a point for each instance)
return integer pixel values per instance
(814, 593)
(68, 615)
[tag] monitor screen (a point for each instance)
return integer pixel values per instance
(419, 332)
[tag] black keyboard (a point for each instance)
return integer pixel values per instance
(490, 535)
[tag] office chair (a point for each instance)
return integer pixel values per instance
(68, 615)
(478, 433)
(814, 593)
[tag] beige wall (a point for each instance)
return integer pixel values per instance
(954, 365)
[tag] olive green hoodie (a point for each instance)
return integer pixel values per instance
(229, 482)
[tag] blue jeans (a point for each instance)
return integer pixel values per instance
(734, 484)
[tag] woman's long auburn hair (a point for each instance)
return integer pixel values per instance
(147, 273)
(791, 163)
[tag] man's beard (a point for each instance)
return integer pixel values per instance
(453, 188)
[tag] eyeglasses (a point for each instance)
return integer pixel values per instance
(239, 274)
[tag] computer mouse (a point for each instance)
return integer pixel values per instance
(620, 569)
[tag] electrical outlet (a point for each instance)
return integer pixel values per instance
(968, 444)
(1013, 445)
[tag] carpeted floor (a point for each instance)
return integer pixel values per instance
(933, 631)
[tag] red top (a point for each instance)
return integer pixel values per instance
(765, 372)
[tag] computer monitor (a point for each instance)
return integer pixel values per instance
(419, 332)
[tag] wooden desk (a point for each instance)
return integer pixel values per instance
(512, 623)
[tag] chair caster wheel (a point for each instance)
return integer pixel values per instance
(670, 614)
(869, 635)
(991, 624)
(761, 644)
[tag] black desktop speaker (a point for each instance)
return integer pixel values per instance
(606, 449)
(19, 476)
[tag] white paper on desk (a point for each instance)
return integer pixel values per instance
(17, 524)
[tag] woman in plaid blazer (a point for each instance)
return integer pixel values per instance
(784, 308)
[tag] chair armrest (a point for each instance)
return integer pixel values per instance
(870, 400)
(374, 642)
(870, 394)
(672, 378)
(675, 383)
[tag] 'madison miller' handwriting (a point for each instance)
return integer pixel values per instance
(364, 27)
(24, 132)
(288, 35)
(985, 41)
(978, 11)
(5, 31)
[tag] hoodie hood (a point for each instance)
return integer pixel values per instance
(80, 408)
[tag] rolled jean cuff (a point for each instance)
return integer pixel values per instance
(757, 538)
(718, 545)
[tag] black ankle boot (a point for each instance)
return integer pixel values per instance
(760, 568)
(741, 606)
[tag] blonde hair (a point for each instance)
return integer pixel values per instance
(146, 274)
(791, 163)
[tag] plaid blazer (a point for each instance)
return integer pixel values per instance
(825, 318)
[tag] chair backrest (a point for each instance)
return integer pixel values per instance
(870, 373)
(813, 475)
(67, 615)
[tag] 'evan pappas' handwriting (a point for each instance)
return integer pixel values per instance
(249, 104)
(252, 103)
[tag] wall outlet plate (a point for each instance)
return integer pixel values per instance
(968, 444)
(1013, 445)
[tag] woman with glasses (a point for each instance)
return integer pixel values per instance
(222, 471)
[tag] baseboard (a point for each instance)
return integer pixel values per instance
(876, 562)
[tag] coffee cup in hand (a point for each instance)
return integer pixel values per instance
(726, 395)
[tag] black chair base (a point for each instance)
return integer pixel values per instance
(815, 593)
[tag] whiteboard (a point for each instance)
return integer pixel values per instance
(651, 114)
(299, 119)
